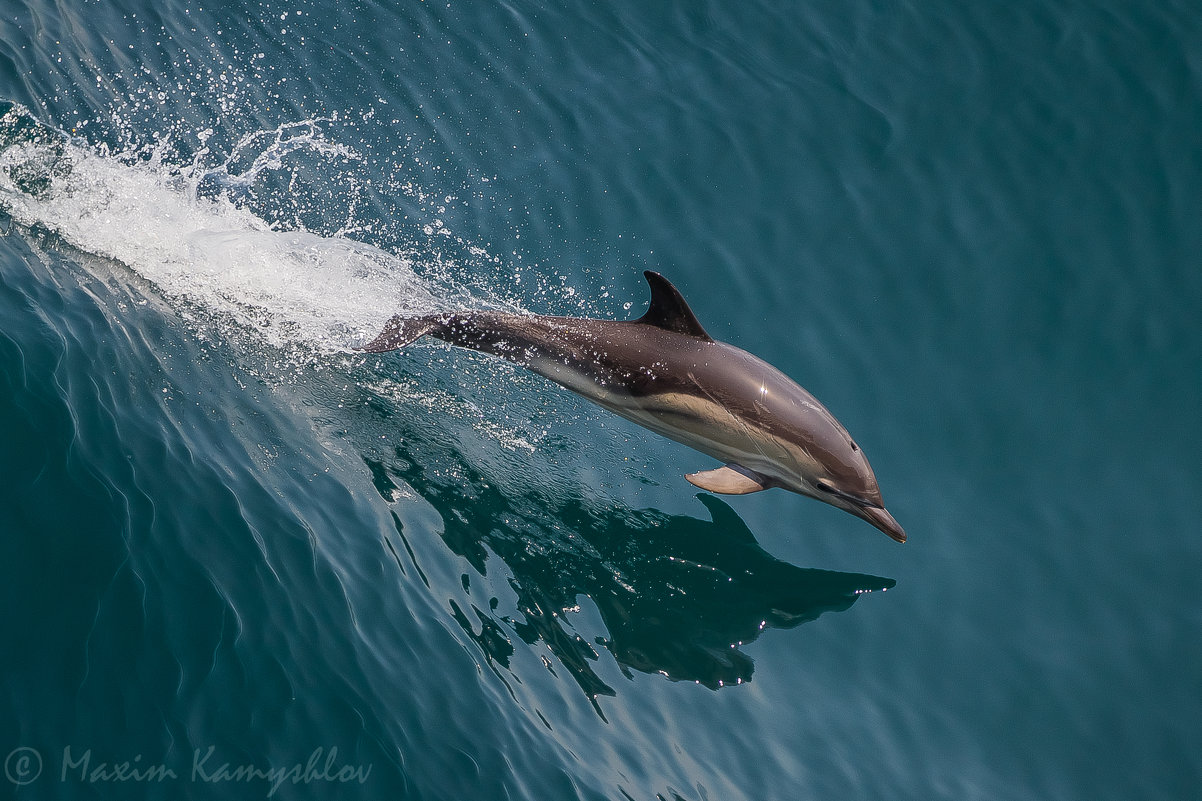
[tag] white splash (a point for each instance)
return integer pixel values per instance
(294, 287)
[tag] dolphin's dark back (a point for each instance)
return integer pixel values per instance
(615, 354)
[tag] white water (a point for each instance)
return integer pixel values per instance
(293, 287)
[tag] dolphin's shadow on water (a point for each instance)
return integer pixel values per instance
(678, 595)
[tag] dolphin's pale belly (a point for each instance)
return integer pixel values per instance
(690, 419)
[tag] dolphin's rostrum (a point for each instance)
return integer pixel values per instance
(664, 372)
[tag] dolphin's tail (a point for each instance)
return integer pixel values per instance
(399, 332)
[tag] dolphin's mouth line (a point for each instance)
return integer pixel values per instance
(830, 489)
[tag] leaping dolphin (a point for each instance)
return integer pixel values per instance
(664, 372)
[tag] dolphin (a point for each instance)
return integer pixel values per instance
(664, 372)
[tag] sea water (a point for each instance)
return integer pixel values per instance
(242, 559)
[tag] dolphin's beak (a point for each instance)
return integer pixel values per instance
(879, 517)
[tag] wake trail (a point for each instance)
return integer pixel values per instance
(292, 287)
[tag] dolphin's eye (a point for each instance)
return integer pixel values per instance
(854, 446)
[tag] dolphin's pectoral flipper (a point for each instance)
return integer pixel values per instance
(399, 332)
(729, 480)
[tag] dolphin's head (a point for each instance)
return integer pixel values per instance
(790, 439)
(825, 463)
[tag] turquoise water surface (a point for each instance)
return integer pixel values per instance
(242, 560)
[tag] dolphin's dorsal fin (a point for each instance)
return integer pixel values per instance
(732, 479)
(668, 309)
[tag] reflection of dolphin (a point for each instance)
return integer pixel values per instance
(664, 372)
(705, 589)
(678, 596)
